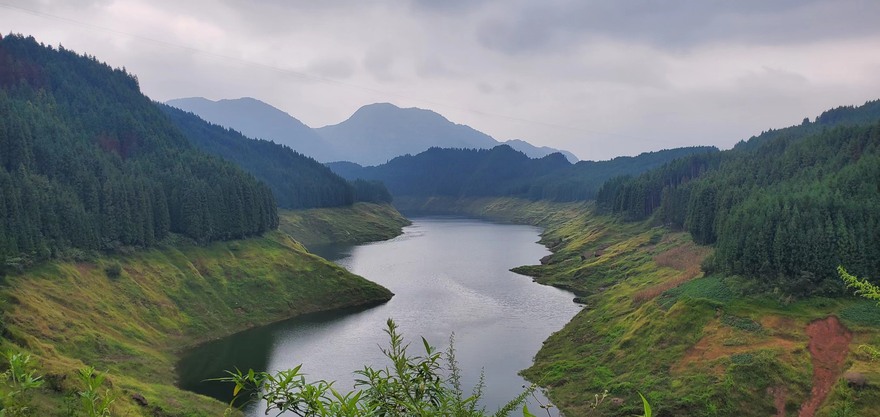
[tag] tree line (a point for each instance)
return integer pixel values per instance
(503, 172)
(297, 181)
(783, 209)
(88, 162)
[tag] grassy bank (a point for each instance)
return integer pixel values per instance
(653, 323)
(360, 223)
(129, 314)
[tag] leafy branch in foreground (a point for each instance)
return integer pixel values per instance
(413, 385)
(862, 287)
(866, 290)
(19, 380)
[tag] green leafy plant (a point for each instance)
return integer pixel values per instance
(866, 290)
(93, 403)
(413, 385)
(18, 381)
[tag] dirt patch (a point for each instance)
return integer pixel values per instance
(829, 345)
(686, 259)
(780, 395)
(722, 341)
(683, 258)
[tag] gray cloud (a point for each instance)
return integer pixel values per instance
(678, 24)
(600, 78)
(341, 68)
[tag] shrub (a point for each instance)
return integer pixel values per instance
(113, 271)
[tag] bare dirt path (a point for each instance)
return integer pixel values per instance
(829, 345)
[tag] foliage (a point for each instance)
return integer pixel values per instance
(412, 386)
(783, 209)
(866, 290)
(133, 328)
(93, 403)
(88, 162)
(502, 171)
(371, 191)
(360, 223)
(861, 287)
(19, 380)
(296, 181)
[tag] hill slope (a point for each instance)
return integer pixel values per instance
(374, 134)
(535, 152)
(784, 209)
(296, 181)
(259, 120)
(88, 162)
(378, 132)
(131, 324)
(502, 171)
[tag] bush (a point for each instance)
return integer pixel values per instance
(114, 270)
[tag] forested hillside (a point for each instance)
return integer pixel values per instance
(296, 180)
(503, 171)
(88, 162)
(256, 119)
(784, 208)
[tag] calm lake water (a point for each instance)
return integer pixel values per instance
(448, 275)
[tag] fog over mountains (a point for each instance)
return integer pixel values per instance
(374, 134)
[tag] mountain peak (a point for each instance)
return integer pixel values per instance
(391, 113)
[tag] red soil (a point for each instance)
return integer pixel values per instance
(780, 394)
(829, 345)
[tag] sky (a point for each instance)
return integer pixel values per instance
(598, 78)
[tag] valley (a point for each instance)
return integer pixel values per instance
(709, 282)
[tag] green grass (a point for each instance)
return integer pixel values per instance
(131, 324)
(710, 288)
(360, 223)
(624, 346)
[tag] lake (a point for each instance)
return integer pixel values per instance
(448, 275)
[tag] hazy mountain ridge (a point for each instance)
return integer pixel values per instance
(533, 151)
(503, 171)
(374, 134)
(259, 120)
(296, 181)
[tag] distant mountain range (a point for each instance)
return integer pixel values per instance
(504, 171)
(373, 135)
(256, 119)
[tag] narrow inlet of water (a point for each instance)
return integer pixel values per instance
(449, 275)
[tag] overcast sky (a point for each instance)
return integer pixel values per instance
(598, 78)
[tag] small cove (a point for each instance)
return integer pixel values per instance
(448, 275)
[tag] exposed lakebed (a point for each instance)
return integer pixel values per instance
(448, 275)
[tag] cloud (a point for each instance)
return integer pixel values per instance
(334, 68)
(600, 78)
(677, 24)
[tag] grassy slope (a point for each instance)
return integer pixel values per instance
(360, 223)
(71, 314)
(653, 323)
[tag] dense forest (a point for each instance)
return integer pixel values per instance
(89, 163)
(784, 208)
(503, 171)
(297, 181)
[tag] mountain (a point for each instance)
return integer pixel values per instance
(457, 172)
(87, 162)
(256, 119)
(533, 151)
(376, 133)
(503, 171)
(296, 181)
(785, 208)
